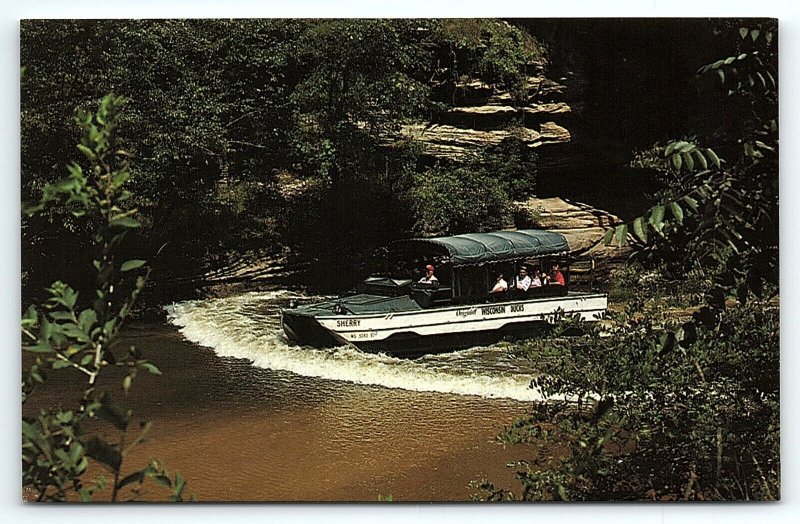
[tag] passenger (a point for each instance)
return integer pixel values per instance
(429, 277)
(523, 281)
(536, 281)
(558, 278)
(500, 286)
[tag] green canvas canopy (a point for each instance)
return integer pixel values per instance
(480, 248)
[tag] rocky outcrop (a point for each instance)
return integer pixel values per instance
(483, 115)
(583, 225)
(448, 141)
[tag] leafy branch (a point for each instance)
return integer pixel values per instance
(66, 332)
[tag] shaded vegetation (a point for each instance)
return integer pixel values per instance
(678, 396)
(642, 422)
(222, 112)
(76, 333)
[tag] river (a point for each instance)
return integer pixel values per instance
(244, 415)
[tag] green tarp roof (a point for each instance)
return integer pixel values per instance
(479, 248)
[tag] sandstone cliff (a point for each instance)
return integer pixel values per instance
(484, 115)
(583, 225)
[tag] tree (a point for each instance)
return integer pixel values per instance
(666, 409)
(68, 332)
(724, 212)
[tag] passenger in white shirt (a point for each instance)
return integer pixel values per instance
(429, 277)
(523, 280)
(536, 281)
(500, 286)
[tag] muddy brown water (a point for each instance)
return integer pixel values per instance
(230, 416)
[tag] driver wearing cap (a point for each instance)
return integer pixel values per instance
(429, 277)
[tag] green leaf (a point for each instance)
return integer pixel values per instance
(87, 359)
(132, 264)
(743, 32)
(87, 319)
(677, 212)
(721, 75)
(75, 452)
(688, 161)
(109, 326)
(701, 159)
(104, 452)
(61, 364)
(126, 222)
(763, 80)
(180, 483)
(30, 431)
(609, 236)
(754, 34)
(162, 480)
(657, 217)
(126, 383)
(41, 346)
(120, 177)
(73, 331)
(671, 148)
(136, 476)
(771, 79)
(60, 315)
(150, 368)
(713, 156)
(86, 151)
(677, 162)
(75, 171)
(621, 234)
(30, 317)
(639, 229)
(72, 350)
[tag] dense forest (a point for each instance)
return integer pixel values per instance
(300, 139)
(281, 134)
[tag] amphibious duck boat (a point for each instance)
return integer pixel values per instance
(399, 315)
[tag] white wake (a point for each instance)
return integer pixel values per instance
(248, 326)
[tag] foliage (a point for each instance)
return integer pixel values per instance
(645, 421)
(457, 199)
(475, 194)
(663, 407)
(496, 52)
(722, 216)
(513, 164)
(222, 107)
(69, 333)
(657, 284)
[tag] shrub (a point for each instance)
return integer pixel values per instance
(647, 419)
(70, 332)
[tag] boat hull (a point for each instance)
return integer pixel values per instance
(405, 333)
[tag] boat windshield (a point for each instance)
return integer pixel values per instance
(386, 286)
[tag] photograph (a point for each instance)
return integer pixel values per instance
(399, 260)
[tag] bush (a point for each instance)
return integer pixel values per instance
(648, 419)
(453, 200)
(70, 332)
